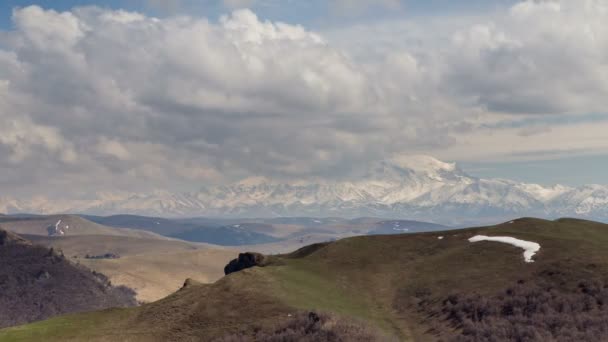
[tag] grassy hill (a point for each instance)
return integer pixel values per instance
(420, 287)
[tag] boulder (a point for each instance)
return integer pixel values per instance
(245, 260)
(189, 283)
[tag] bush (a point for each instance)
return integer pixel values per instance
(532, 311)
(310, 327)
(38, 283)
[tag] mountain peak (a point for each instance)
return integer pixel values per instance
(422, 163)
(254, 181)
(403, 167)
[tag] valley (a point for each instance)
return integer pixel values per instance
(156, 265)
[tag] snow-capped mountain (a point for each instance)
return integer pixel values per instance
(415, 187)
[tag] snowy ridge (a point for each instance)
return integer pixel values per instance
(416, 187)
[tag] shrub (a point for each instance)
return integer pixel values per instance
(531, 311)
(310, 327)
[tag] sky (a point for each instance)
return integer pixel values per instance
(168, 94)
(312, 13)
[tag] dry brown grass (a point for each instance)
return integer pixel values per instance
(156, 275)
(154, 268)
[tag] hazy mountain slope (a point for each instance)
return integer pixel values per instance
(67, 225)
(237, 232)
(78, 246)
(225, 236)
(409, 285)
(417, 187)
(162, 226)
(188, 227)
(38, 283)
(404, 226)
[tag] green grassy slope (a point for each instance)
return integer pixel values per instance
(383, 280)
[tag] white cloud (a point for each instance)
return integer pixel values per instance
(130, 100)
(48, 29)
(113, 148)
(21, 137)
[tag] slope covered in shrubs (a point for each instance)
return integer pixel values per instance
(37, 283)
(311, 327)
(552, 307)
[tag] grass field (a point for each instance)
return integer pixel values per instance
(381, 280)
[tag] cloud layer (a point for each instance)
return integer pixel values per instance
(94, 99)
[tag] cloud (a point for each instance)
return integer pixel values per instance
(100, 99)
(113, 148)
(176, 6)
(543, 57)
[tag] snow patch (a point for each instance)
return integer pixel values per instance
(56, 230)
(530, 248)
(440, 238)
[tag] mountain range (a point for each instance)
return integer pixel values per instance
(414, 187)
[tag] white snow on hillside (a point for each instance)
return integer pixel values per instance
(530, 248)
(57, 230)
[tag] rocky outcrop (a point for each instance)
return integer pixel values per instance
(189, 283)
(7, 237)
(245, 260)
